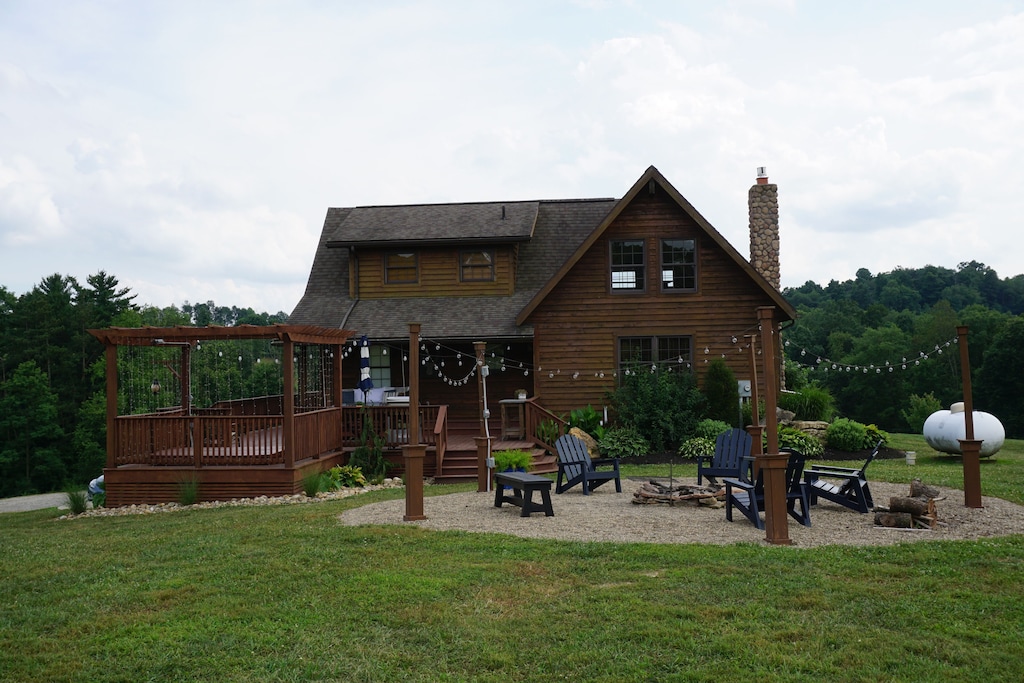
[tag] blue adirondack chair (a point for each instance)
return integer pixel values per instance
(727, 461)
(748, 496)
(576, 466)
(849, 487)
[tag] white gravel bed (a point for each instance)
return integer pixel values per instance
(609, 516)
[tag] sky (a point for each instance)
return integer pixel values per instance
(191, 149)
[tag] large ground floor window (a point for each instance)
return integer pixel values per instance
(663, 351)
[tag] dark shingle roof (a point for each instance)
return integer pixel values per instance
(555, 229)
(437, 224)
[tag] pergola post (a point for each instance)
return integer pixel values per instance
(288, 419)
(413, 452)
(111, 358)
(773, 465)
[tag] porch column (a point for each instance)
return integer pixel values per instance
(773, 465)
(413, 453)
(336, 386)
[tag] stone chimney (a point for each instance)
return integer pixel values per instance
(763, 206)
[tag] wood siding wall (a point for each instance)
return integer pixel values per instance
(577, 327)
(438, 275)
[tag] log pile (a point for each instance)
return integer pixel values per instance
(915, 511)
(653, 492)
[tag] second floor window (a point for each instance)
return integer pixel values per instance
(627, 269)
(401, 267)
(678, 265)
(476, 266)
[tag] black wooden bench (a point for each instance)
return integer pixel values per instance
(523, 485)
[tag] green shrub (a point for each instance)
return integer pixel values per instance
(790, 437)
(99, 500)
(662, 406)
(548, 431)
(874, 435)
(587, 419)
(514, 459)
(722, 393)
(919, 410)
(623, 442)
(710, 429)
(311, 483)
(696, 447)
(77, 500)
(845, 434)
(342, 477)
(809, 403)
(368, 456)
(188, 490)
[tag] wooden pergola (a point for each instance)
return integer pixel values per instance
(237, 448)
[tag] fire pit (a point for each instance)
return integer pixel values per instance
(652, 492)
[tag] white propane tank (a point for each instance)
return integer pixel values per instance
(944, 428)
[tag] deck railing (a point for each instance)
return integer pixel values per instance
(390, 422)
(198, 440)
(534, 416)
(210, 437)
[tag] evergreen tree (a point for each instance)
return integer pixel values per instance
(29, 434)
(722, 393)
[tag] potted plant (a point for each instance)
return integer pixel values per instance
(521, 394)
(514, 460)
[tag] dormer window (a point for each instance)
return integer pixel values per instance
(401, 268)
(627, 265)
(476, 266)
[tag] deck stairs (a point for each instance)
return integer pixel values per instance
(460, 457)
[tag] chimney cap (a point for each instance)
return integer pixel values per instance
(762, 175)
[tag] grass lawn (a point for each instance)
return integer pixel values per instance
(288, 594)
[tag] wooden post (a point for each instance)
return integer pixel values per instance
(755, 429)
(773, 465)
(413, 452)
(337, 351)
(483, 441)
(970, 447)
(186, 379)
(111, 357)
(288, 420)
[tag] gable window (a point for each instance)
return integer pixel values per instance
(665, 352)
(627, 269)
(476, 266)
(678, 265)
(401, 267)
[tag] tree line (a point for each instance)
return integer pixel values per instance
(878, 343)
(52, 400)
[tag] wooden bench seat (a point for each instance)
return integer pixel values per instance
(523, 484)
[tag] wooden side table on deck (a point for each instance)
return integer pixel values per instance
(513, 418)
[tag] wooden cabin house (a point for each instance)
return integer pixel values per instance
(563, 295)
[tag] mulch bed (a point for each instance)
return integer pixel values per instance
(830, 454)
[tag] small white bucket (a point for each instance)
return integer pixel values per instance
(911, 457)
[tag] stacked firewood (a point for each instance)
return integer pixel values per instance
(916, 511)
(652, 492)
